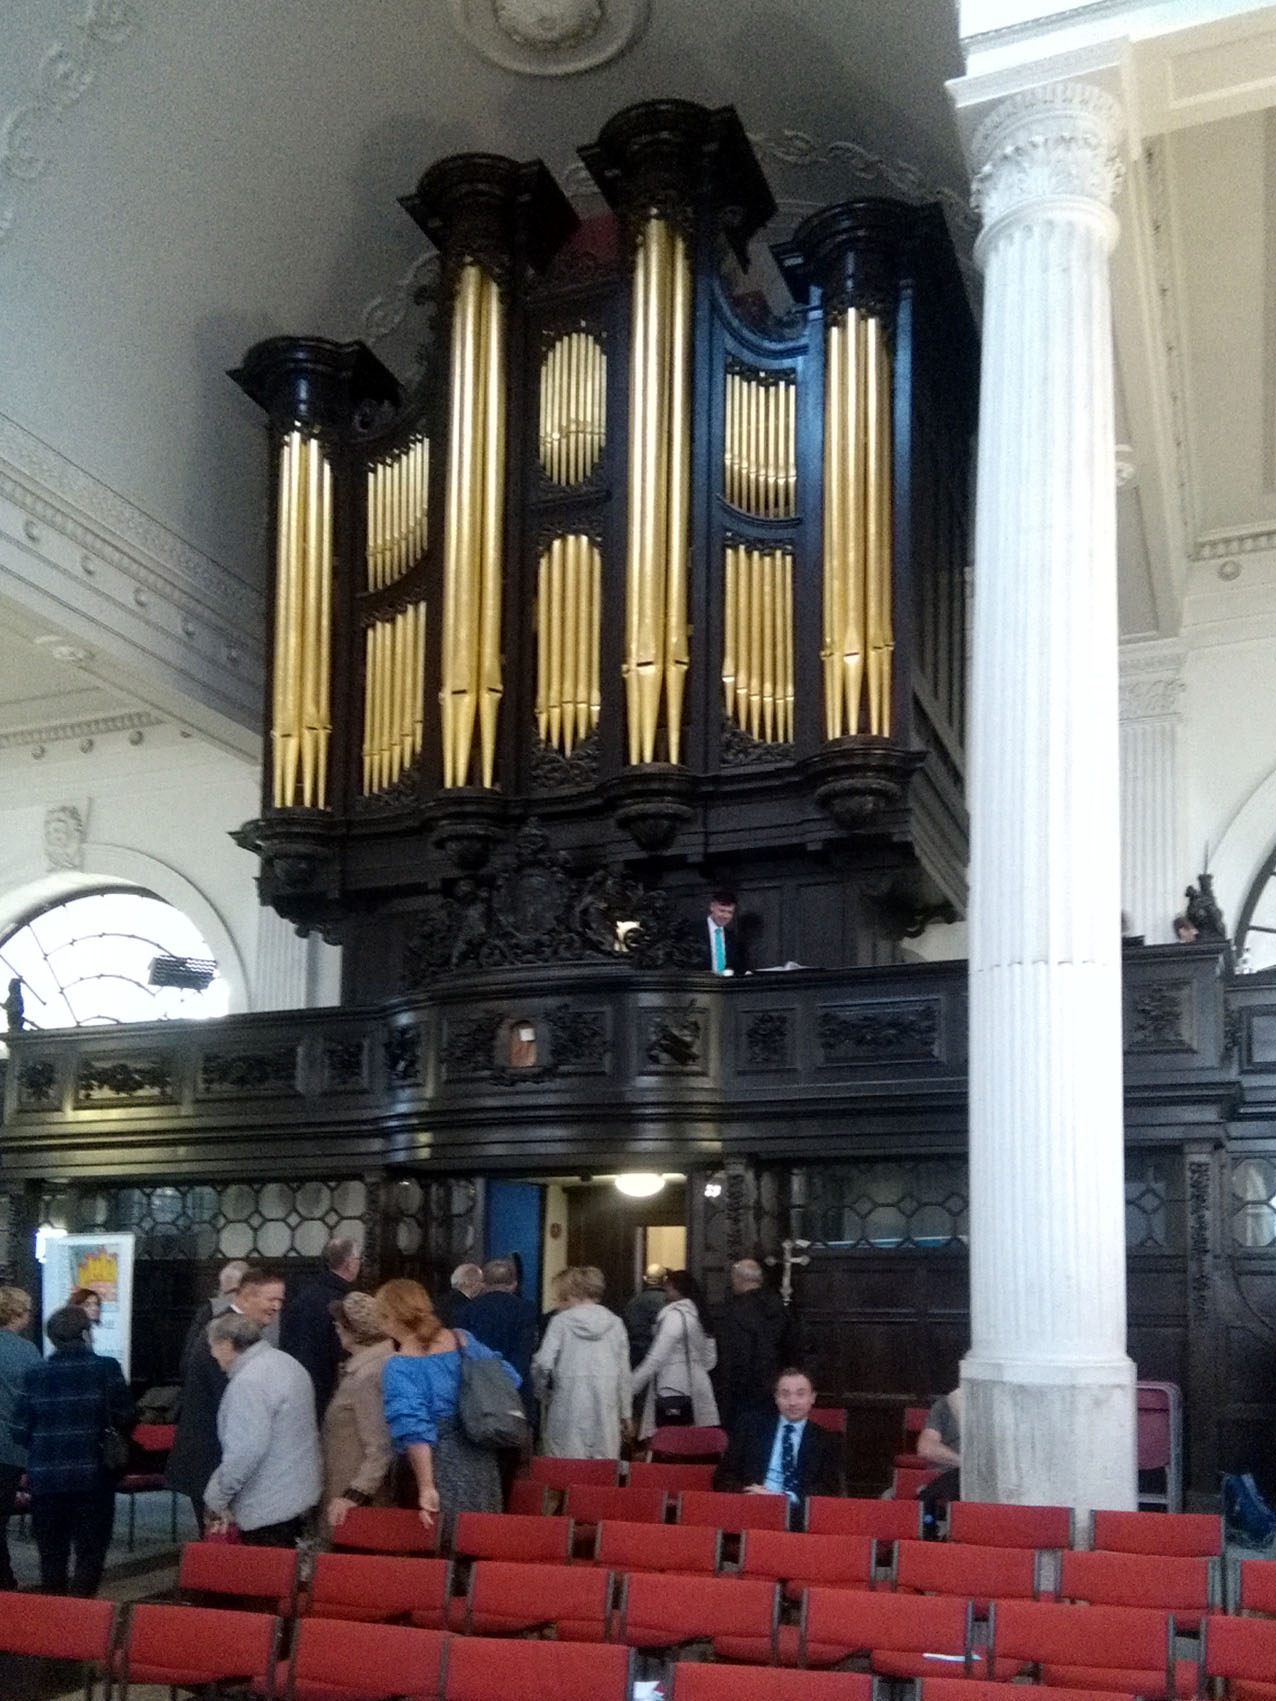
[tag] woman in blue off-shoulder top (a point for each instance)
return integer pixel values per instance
(421, 1386)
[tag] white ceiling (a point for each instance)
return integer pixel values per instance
(179, 179)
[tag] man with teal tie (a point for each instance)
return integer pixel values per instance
(724, 953)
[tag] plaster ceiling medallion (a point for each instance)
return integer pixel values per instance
(549, 38)
(64, 649)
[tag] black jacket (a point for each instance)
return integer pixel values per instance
(507, 1324)
(196, 1450)
(819, 1456)
(733, 947)
(754, 1345)
(307, 1331)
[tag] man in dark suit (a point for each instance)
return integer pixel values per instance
(723, 942)
(306, 1329)
(782, 1452)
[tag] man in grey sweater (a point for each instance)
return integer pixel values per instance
(269, 1477)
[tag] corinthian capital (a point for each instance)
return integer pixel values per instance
(1057, 140)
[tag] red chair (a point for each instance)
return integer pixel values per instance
(688, 1441)
(694, 1548)
(799, 1561)
(907, 1481)
(721, 1610)
(988, 1524)
(486, 1669)
(257, 1577)
(59, 1627)
(978, 1689)
(832, 1418)
(377, 1587)
(1255, 1589)
(1167, 1582)
(902, 1635)
(980, 1573)
(507, 1535)
(149, 1447)
(915, 1420)
(562, 1473)
(1190, 1534)
(1241, 1652)
(386, 1529)
(336, 1660)
(884, 1520)
(513, 1600)
(1088, 1647)
(528, 1497)
(694, 1681)
(187, 1647)
(588, 1505)
(732, 1513)
(643, 1473)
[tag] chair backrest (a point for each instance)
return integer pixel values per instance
(511, 1535)
(154, 1437)
(60, 1627)
(367, 1659)
(698, 1681)
(1191, 1534)
(506, 1599)
(654, 1473)
(885, 1520)
(950, 1568)
(206, 1645)
(1171, 1582)
(989, 1524)
(652, 1614)
(657, 1547)
(1155, 1407)
(1122, 1638)
(857, 1621)
(915, 1418)
(832, 1418)
(529, 1497)
(691, 1441)
(589, 1505)
(488, 1668)
(386, 1529)
(562, 1473)
(1242, 1648)
(983, 1689)
(907, 1481)
(379, 1586)
(787, 1556)
(1255, 1589)
(247, 1573)
(733, 1512)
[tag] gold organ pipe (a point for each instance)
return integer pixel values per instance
(834, 541)
(768, 566)
(282, 731)
(460, 624)
(573, 630)
(568, 605)
(785, 681)
(757, 641)
(743, 627)
(677, 637)
(756, 611)
(542, 649)
(636, 587)
(729, 626)
(880, 635)
(493, 528)
(769, 506)
(554, 695)
(853, 519)
(571, 429)
(418, 689)
(595, 636)
(323, 636)
(585, 623)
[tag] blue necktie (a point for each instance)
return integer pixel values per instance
(719, 951)
(788, 1463)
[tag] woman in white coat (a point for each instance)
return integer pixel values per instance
(682, 1354)
(581, 1373)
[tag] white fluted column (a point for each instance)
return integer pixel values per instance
(1153, 868)
(1049, 1391)
(293, 973)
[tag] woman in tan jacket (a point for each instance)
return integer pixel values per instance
(357, 1453)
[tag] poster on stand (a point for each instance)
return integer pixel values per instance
(103, 1262)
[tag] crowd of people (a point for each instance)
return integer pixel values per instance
(292, 1413)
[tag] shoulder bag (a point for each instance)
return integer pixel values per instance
(489, 1407)
(674, 1410)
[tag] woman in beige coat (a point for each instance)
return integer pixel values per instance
(357, 1453)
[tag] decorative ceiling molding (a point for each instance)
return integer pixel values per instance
(549, 38)
(797, 150)
(1216, 546)
(65, 73)
(1151, 680)
(96, 726)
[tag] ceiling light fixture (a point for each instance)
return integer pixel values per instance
(640, 1184)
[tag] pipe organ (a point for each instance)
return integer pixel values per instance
(666, 561)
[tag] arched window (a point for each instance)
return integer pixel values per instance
(1256, 924)
(121, 955)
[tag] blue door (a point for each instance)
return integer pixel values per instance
(514, 1227)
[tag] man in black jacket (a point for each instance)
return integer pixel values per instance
(782, 1451)
(754, 1340)
(306, 1329)
(501, 1319)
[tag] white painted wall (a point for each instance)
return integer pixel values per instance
(159, 813)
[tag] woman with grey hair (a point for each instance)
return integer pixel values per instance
(269, 1476)
(581, 1373)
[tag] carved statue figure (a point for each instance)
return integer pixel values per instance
(1203, 911)
(14, 1019)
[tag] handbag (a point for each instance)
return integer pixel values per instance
(489, 1406)
(115, 1451)
(1248, 1519)
(675, 1410)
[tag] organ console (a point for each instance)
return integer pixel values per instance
(672, 566)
